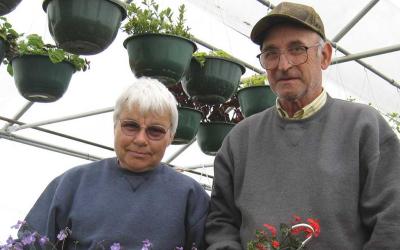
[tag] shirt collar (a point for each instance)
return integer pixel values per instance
(306, 111)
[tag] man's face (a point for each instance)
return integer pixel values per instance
(296, 82)
(139, 153)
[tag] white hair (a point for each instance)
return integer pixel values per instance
(151, 96)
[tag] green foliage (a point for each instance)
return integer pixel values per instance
(394, 121)
(201, 56)
(254, 80)
(150, 19)
(9, 36)
(34, 45)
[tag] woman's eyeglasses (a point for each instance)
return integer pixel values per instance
(153, 132)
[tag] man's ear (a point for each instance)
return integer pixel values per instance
(326, 55)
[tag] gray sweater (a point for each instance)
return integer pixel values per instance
(103, 203)
(341, 166)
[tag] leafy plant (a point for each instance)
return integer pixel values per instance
(254, 80)
(181, 97)
(228, 111)
(30, 239)
(9, 36)
(201, 56)
(150, 19)
(34, 45)
(290, 237)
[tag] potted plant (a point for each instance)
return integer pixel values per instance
(212, 78)
(189, 116)
(8, 38)
(6, 6)
(218, 120)
(84, 27)
(255, 94)
(158, 46)
(42, 72)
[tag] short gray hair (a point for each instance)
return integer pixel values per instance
(151, 96)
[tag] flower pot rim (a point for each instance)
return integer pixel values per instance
(257, 86)
(217, 122)
(119, 3)
(189, 108)
(241, 66)
(159, 34)
(31, 55)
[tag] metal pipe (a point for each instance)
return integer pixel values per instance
(66, 118)
(48, 146)
(19, 114)
(354, 21)
(369, 67)
(266, 3)
(177, 153)
(365, 54)
(59, 134)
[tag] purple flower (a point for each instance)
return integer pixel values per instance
(43, 240)
(28, 239)
(146, 245)
(10, 240)
(115, 246)
(62, 235)
(18, 225)
(18, 246)
(179, 248)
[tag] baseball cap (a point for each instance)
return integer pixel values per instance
(288, 12)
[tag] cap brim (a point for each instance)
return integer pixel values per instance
(260, 30)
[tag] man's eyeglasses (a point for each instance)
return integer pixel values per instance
(296, 55)
(153, 132)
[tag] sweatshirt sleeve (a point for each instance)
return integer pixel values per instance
(197, 209)
(224, 219)
(42, 216)
(380, 187)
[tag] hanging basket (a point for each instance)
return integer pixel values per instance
(84, 27)
(213, 83)
(188, 125)
(255, 99)
(2, 50)
(211, 135)
(6, 6)
(160, 56)
(40, 80)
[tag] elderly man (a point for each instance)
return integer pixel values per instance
(310, 155)
(123, 201)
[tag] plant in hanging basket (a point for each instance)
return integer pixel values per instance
(212, 77)
(255, 94)
(159, 45)
(189, 116)
(218, 120)
(6, 6)
(8, 39)
(42, 71)
(84, 27)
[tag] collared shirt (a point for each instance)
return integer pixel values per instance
(306, 111)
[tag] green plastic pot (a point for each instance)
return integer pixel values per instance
(160, 56)
(84, 27)
(211, 135)
(6, 6)
(213, 83)
(2, 50)
(39, 80)
(188, 125)
(255, 99)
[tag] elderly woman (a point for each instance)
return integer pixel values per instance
(131, 198)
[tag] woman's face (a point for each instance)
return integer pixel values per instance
(138, 152)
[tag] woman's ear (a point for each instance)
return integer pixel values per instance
(326, 55)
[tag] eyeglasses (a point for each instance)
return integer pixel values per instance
(153, 132)
(295, 55)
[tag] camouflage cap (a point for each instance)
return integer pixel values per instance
(287, 12)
